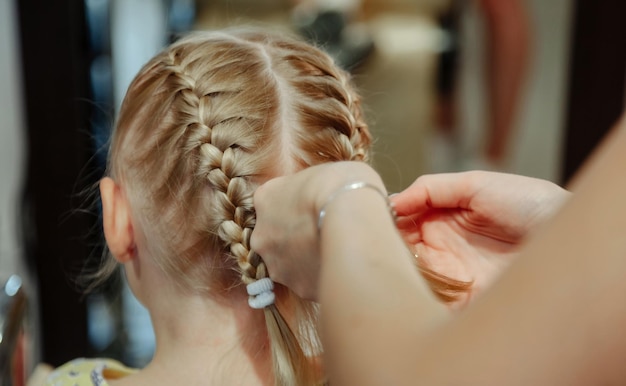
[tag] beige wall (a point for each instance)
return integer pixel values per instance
(11, 139)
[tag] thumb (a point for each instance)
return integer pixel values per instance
(412, 200)
(436, 191)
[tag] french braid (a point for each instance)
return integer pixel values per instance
(222, 153)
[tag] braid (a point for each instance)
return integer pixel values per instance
(332, 126)
(221, 162)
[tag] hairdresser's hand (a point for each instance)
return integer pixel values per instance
(287, 209)
(470, 225)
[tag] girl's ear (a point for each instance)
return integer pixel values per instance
(116, 221)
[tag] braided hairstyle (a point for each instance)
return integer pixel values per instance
(202, 125)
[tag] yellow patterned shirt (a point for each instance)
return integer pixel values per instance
(88, 372)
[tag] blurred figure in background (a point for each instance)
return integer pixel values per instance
(507, 40)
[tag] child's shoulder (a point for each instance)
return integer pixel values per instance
(88, 372)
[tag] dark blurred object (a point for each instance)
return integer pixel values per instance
(54, 47)
(13, 355)
(349, 44)
(180, 17)
(597, 92)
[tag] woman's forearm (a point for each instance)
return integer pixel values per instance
(374, 304)
(557, 316)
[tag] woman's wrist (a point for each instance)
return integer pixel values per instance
(348, 189)
(328, 185)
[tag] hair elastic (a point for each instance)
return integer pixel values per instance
(354, 186)
(261, 293)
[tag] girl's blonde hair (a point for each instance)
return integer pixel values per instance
(202, 124)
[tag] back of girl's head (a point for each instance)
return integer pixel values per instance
(202, 125)
(210, 118)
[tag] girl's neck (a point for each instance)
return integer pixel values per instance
(203, 341)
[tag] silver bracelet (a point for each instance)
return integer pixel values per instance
(354, 186)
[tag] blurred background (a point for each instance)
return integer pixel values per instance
(523, 86)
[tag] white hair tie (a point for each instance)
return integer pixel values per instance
(261, 293)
